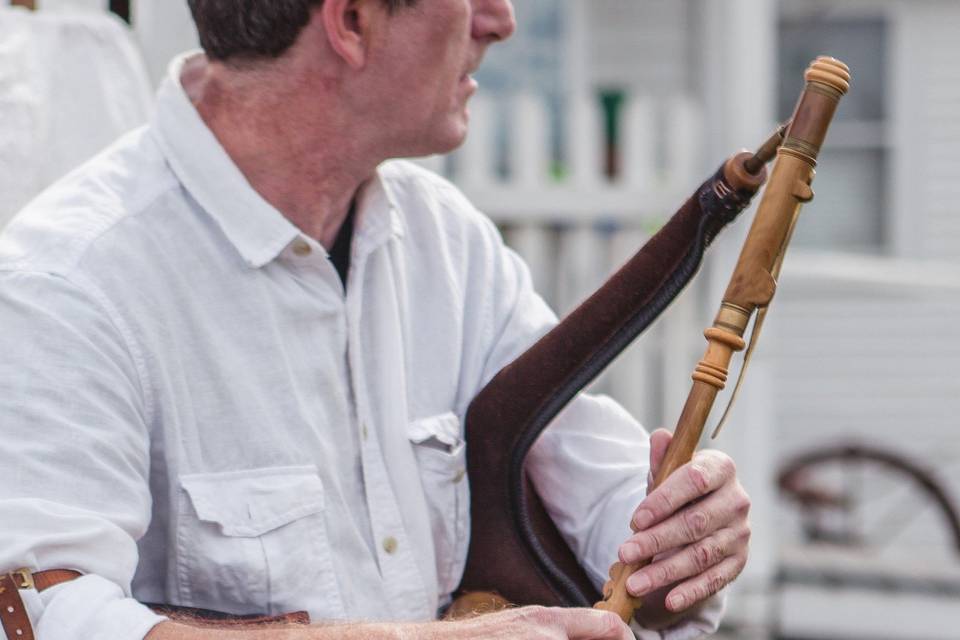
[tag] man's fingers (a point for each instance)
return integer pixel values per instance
(659, 441)
(593, 624)
(692, 561)
(706, 584)
(708, 471)
(691, 524)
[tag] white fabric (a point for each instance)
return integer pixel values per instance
(197, 413)
(70, 83)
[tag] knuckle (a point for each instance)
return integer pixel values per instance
(719, 552)
(656, 544)
(609, 623)
(697, 524)
(707, 555)
(699, 478)
(715, 582)
(742, 504)
(699, 592)
(664, 574)
(662, 503)
(728, 468)
(702, 558)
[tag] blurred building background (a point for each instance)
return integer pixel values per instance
(593, 125)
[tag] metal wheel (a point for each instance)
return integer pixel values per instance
(866, 497)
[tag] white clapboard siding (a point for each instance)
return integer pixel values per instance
(857, 360)
(930, 121)
(640, 45)
(865, 349)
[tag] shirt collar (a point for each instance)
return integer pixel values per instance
(378, 215)
(256, 228)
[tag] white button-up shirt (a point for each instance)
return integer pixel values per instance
(195, 411)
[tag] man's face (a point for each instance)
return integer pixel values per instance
(424, 69)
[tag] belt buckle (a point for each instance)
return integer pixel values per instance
(23, 578)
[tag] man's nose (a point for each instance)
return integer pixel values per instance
(493, 20)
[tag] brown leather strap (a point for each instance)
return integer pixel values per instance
(13, 613)
(43, 580)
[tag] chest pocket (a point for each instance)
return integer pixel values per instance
(442, 459)
(255, 541)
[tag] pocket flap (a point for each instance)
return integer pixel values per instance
(251, 502)
(443, 428)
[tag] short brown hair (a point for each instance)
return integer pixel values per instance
(254, 29)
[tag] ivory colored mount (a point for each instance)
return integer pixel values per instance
(829, 71)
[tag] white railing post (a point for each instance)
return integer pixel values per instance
(630, 379)
(684, 128)
(639, 144)
(475, 159)
(582, 263)
(529, 142)
(532, 242)
(584, 142)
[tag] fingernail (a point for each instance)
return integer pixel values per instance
(638, 584)
(677, 602)
(642, 519)
(629, 553)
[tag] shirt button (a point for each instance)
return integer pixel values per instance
(363, 431)
(390, 544)
(301, 248)
(459, 476)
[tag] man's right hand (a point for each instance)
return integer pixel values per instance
(524, 623)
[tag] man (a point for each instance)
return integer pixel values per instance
(237, 348)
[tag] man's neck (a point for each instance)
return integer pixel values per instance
(304, 159)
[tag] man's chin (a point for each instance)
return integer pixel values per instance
(441, 145)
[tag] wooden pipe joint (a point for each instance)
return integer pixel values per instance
(739, 177)
(713, 368)
(711, 374)
(730, 340)
(706, 378)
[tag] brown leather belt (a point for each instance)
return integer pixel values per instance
(16, 622)
(13, 613)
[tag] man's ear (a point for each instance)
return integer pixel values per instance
(347, 24)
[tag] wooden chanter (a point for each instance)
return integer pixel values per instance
(754, 279)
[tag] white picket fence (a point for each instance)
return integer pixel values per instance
(574, 230)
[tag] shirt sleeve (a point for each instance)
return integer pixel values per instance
(75, 493)
(590, 465)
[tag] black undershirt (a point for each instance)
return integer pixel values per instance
(340, 253)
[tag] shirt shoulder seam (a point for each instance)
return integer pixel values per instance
(82, 284)
(86, 244)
